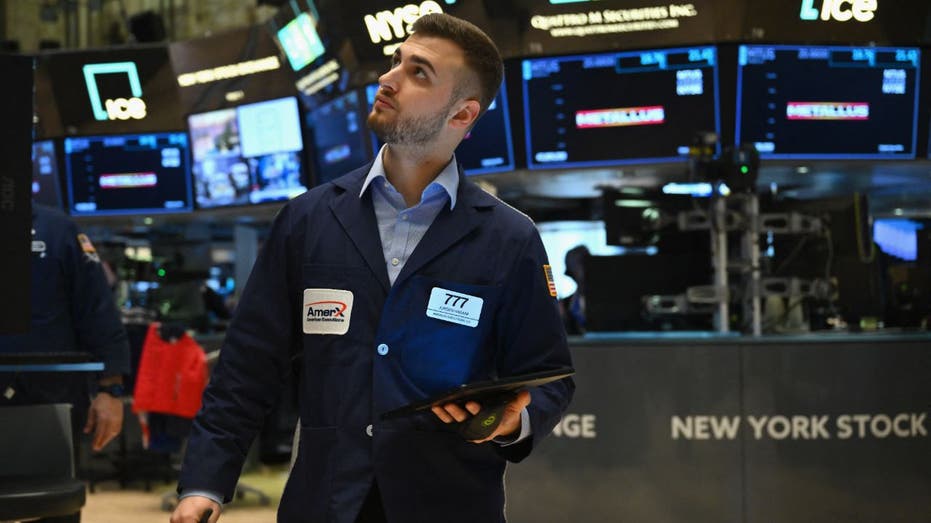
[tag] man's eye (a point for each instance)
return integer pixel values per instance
(420, 72)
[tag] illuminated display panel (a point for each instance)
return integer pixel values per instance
(247, 155)
(616, 108)
(112, 91)
(487, 148)
(128, 174)
(898, 237)
(339, 136)
(828, 102)
(300, 41)
(46, 186)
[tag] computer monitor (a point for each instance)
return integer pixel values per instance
(127, 174)
(46, 185)
(619, 107)
(339, 135)
(300, 41)
(824, 102)
(487, 148)
(248, 154)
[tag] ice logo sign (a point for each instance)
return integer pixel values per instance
(115, 108)
(839, 10)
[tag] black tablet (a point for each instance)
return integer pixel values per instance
(475, 391)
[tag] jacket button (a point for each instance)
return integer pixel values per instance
(368, 431)
(382, 349)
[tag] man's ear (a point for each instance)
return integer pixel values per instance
(466, 114)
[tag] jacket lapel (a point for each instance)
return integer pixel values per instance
(357, 218)
(450, 226)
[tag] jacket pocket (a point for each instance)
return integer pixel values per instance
(452, 335)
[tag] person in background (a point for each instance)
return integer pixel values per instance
(72, 311)
(349, 292)
(573, 306)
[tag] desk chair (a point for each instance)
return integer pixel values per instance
(37, 463)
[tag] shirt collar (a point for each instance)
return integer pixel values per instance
(448, 179)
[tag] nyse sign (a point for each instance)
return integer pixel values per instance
(388, 25)
(840, 10)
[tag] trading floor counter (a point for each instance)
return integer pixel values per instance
(709, 428)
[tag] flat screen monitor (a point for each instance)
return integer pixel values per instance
(46, 185)
(128, 174)
(487, 148)
(300, 41)
(248, 154)
(827, 102)
(339, 136)
(618, 108)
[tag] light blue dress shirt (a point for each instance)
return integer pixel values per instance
(399, 227)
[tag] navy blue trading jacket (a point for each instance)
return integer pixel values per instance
(391, 353)
(72, 311)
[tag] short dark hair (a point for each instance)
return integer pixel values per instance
(481, 54)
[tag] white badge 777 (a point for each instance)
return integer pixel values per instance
(454, 307)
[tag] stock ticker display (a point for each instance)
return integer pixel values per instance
(617, 108)
(128, 174)
(828, 102)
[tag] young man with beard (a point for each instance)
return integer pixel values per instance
(342, 294)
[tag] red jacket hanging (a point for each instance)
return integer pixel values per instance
(171, 377)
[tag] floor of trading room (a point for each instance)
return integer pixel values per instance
(111, 504)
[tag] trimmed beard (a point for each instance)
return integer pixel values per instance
(410, 130)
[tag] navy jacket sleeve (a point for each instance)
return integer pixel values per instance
(532, 339)
(247, 379)
(95, 318)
